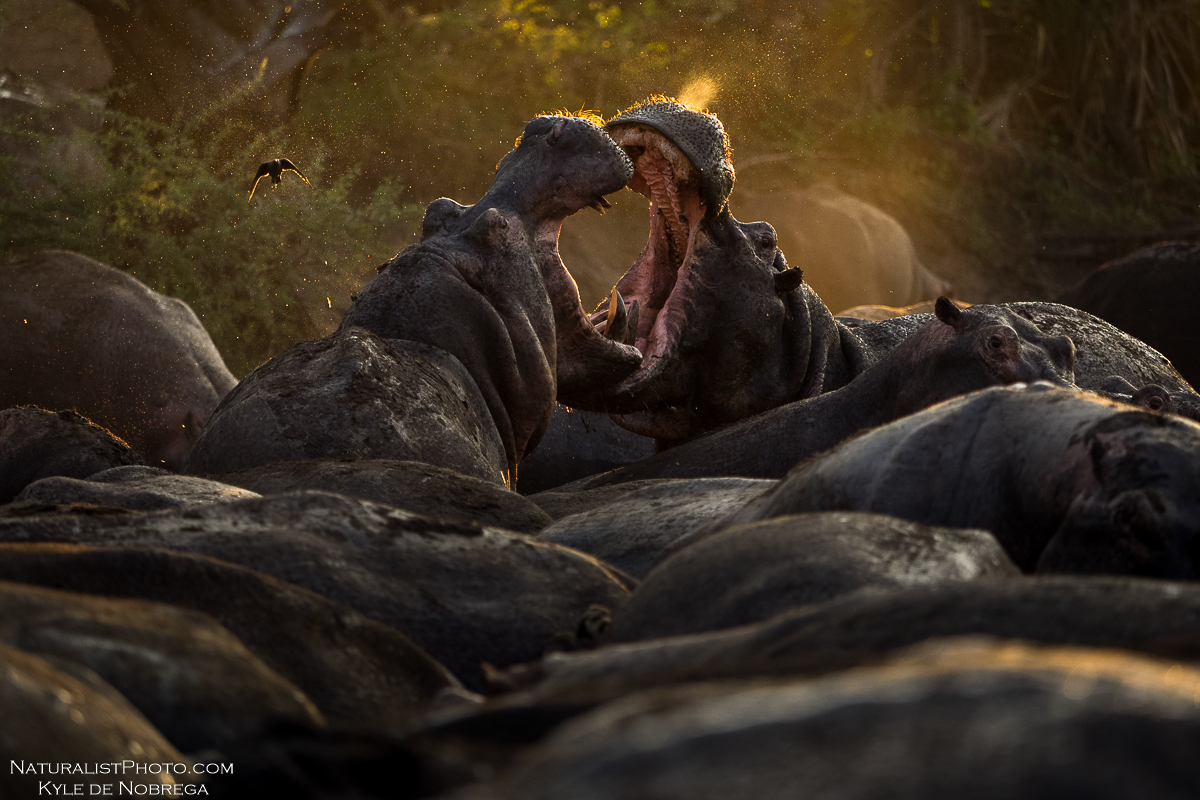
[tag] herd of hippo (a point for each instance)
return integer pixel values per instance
(708, 541)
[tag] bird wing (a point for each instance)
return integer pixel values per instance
(288, 165)
(257, 178)
(264, 169)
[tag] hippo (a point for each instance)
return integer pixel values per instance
(633, 530)
(851, 252)
(1067, 481)
(133, 488)
(352, 668)
(1146, 295)
(354, 395)
(486, 284)
(725, 328)
(58, 712)
(412, 485)
(463, 593)
(1152, 397)
(1153, 617)
(1101, 350)
(37, 444)
(753, 572)
(956, 719)
(191, 677)
(81, 335)
(958, 351)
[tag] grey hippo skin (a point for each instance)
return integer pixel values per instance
(1101, 349)
(78, 334)
(1067, 481)
(979, 719)
(633, 528)
(753, 572)
(1151, 294)
(463, 593)
(36, 444)
(61, 711)
(353, 668)
(958, 351)
(133, 488)
(412, 485)
(354, 395)
(191, 677)
(725, 328)
(486, 284)
(1154, 617)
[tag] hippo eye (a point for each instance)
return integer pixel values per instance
(996, 342)
(766, 240)
(1155, 404)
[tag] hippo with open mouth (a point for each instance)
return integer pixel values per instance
(775, 342)
(486, 284)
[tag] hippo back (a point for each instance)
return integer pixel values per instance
(78, 334)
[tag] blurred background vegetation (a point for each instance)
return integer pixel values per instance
(1021, 142)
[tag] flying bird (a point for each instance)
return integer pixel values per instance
(275, 168)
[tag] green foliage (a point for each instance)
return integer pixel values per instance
(169, 205)
(993, 121)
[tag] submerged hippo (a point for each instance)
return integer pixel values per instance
(1066, 481)
(486, 284)
(725, 328)
(80, 335)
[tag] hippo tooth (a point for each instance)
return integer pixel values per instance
(617, 321)
(600, 203)
(631, 324)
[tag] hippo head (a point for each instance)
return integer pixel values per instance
(963, 350)
(1138, 512)
(486, 283)
(726, 330)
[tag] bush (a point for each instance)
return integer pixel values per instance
(170, 207)
(992, 124)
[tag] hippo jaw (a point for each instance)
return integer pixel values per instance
(562, 165)
(559, 166)
(698, 264)
(656, 285)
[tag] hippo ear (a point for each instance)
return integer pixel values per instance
(789, 280)
(947, 312)
(490, 229)
(440, 217)
(557, 131)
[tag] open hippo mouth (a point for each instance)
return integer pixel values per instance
(648, 307)
(652, 304)
(724, 328)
